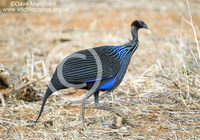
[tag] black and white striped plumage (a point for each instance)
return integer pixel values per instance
(114, 60)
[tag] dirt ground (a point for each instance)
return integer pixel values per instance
(160, 92)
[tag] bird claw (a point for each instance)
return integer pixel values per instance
(81, 125)
(121, 114)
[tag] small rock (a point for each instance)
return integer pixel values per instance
(4, 78)
(17, 109)
(119, 122)
(123, 128)
(109, 124)
(48, 123)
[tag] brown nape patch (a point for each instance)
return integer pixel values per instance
(136, 24)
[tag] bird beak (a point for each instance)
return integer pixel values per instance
(146, 27)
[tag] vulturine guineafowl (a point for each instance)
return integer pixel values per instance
(101, 68)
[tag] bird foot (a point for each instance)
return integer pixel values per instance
(120, 113)
(112, 109)
(81, 125)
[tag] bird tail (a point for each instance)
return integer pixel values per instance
(47, 94)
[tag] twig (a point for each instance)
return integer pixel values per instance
(193, 28)
(175, 85)
(19, 88)
(83, 134)
(192, 25)
(104, 31)
(174, 40)
(170, 27)
(31, 53)
(2, 99)
(159, 75)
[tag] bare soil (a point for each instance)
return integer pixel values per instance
(160, 92)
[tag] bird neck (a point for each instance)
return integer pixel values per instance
(134, 32)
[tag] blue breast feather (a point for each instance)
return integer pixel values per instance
(108, 84)
(119, 51)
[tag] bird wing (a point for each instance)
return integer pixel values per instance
(76, 69)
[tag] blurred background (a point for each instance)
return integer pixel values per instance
(96, 23)
(31, 30)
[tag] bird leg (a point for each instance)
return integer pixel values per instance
(81, 124)
(99, 106)
(83, 109)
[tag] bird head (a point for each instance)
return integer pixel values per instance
(139, 24)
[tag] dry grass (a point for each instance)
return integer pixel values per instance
(160, 94)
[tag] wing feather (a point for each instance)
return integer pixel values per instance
(82, 70)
